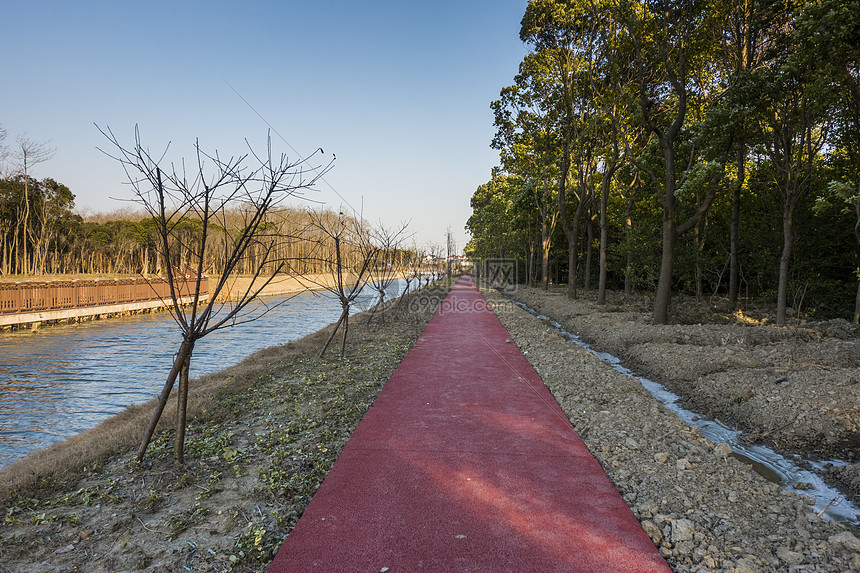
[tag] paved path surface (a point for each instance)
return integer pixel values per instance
(466, 463)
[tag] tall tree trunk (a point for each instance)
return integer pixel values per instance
(857, 234)
(545, 246)
(4, 262)
(785, 260)
(734, 229)
(16, 248)
(572, 234)
(531, 263)
(628, 232)
(699, 239)
(548, 218)
(570, 230)
(589, 230)
(604, 237)
(667, 260)
(24, 259)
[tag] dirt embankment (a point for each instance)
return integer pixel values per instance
(261, 438)
(795, 388)
(703, 509)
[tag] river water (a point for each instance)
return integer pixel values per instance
(62, 380)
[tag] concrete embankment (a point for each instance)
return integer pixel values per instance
(236, 288)
(35, 319)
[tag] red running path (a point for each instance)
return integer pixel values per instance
(465, 462)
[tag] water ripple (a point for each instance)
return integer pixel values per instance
(63, 380)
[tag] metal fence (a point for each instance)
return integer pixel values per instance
(31, 296)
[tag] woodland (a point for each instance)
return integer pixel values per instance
(43, 235)
(703, 148)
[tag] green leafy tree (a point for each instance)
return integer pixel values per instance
(829, 32)
(741, 38)
(563, 36)
(791, 106)
(672, 49)
(489, 223)
(525, 118)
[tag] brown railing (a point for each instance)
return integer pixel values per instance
(31, 296)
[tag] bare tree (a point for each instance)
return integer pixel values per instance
(4, 151)
(207, 191)
(346, 253)
(29, 153)
(438, 262)
(385, 269)
(412, 268)
(451, 248)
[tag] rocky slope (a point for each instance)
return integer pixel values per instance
(704, 509)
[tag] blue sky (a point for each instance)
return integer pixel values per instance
(399, 91)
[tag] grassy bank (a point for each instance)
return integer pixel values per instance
(264, 433)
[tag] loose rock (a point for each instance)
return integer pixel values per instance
(704, 511)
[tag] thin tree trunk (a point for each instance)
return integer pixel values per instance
(734, 229)
(857, 234)
(184, 353)
(24, 258)
(698, 239)
(570, 231)
(785, 262)
(604, 238)
(571, 267)
(16, 255)
(545, 246)
(605, 187)
(181, 410)
(346, 329)
(589, 228)
(664, 285)
(531, 267)
(628, 231)
(334, 331)
(4, 268)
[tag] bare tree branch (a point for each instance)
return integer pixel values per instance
(200, 198)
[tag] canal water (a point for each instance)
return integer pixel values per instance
(63, 380)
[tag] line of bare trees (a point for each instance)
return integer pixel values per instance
(224, 218)
(31, 211)
(210, 218)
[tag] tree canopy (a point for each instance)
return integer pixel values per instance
(713, 145)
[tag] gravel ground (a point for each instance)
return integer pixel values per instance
(704, 509)
(795, 389)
